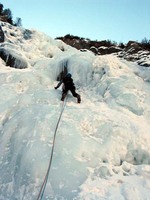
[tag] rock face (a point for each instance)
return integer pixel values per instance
(133, 47)
(135, 53)
(12, 58)
(2, 36)
(108, 50)
(97, 47)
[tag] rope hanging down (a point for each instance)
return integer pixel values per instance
(40, 195)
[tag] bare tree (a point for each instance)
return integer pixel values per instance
(18, 22)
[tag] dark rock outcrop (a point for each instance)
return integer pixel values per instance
(108, 50)
(133, 47)
(2, 36)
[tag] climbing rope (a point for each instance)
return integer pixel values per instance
(41, 192)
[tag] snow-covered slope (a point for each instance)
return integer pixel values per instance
(102, 148)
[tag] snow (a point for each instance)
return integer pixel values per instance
(102, 148)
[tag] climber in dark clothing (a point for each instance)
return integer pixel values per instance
(68, 85)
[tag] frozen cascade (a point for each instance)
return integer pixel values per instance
(102, 146)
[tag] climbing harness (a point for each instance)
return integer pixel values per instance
(41, 192)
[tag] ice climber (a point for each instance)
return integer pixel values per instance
(68, 85)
